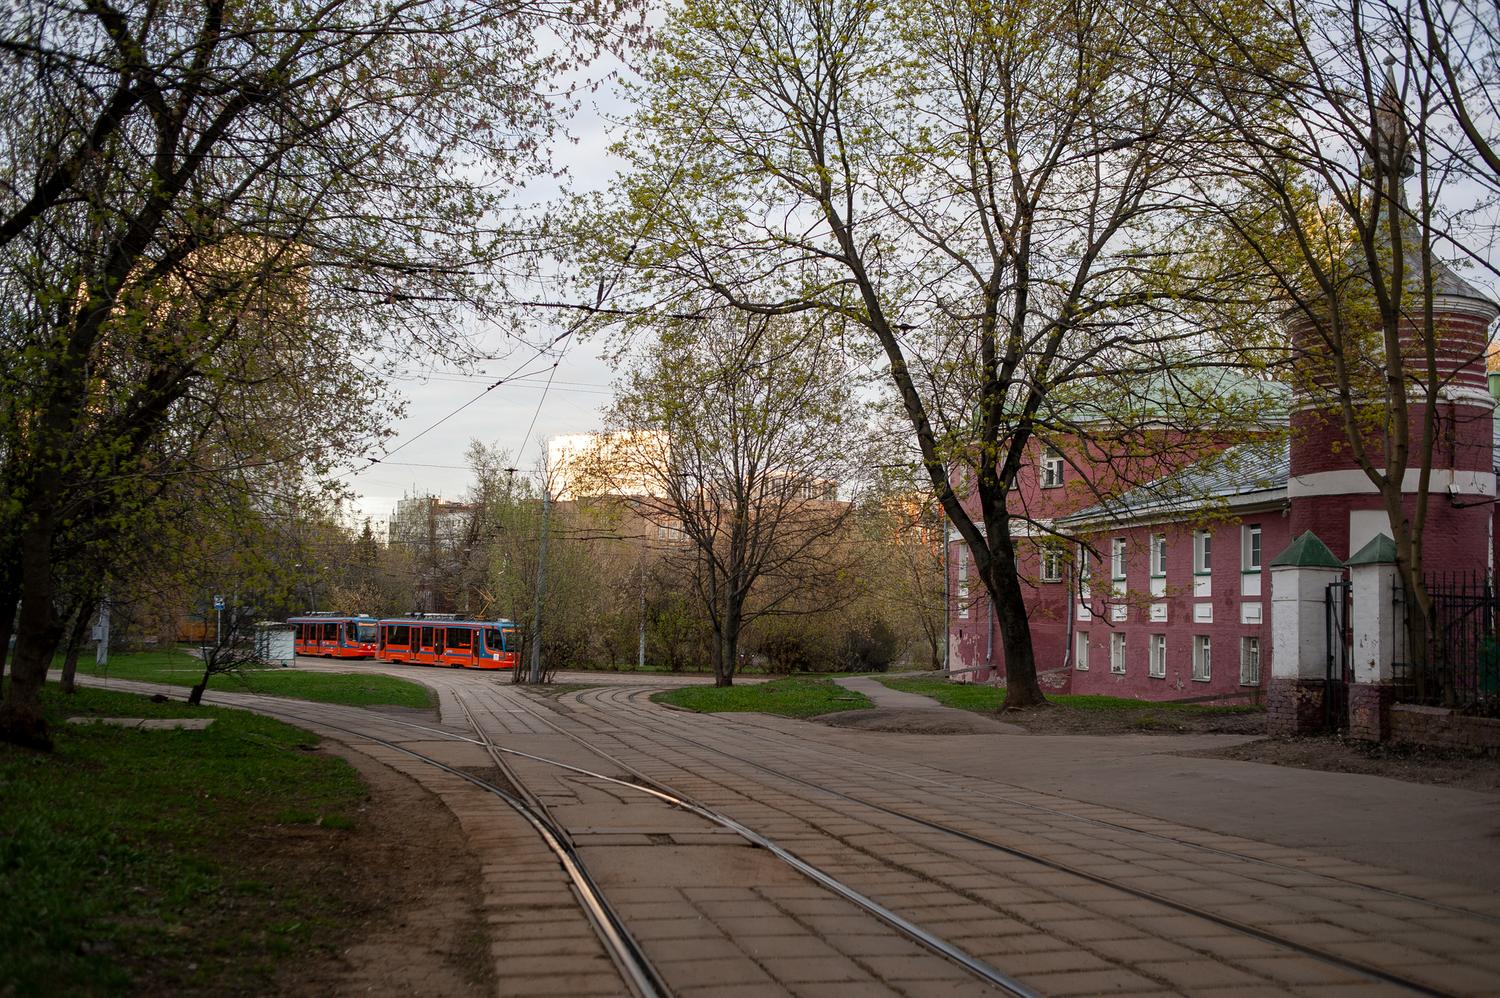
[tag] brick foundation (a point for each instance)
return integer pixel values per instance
(1295, 707)
(1370, 711)
(1411, 724)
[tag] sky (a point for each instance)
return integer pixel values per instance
(579, 391)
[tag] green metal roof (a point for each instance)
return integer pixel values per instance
(1306, 551)
(1380, 551)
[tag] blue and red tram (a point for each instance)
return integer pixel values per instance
(335, 636)
(457, 644)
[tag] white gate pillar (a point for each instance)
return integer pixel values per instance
(1379, 633)
(1300, 577)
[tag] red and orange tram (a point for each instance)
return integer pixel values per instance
(334, 635)
(457, 644)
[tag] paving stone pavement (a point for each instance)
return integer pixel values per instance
(1070, 896)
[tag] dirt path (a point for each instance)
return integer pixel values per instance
(420, 931)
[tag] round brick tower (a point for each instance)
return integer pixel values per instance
(1329, 493)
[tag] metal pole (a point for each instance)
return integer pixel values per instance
(640, 655)
(541, 591)
(947, 599)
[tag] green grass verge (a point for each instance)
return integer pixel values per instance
(796, 697)
(980, 697)
(128, 859)
(178, 668)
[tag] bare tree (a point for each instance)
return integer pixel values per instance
(742, 436)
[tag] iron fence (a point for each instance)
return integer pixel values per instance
(1461, 668)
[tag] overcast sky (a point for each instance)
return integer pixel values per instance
(578, 393)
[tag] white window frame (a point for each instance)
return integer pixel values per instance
(1117, 653)
(1051, 563)
(1250, 660)
(1248, 532)
(1117, 559)
(1051, 475)
(1157, 666)
(1203, 552)
(1085, 572)
(1203, 658)
(1081, 651)
(1158, 556)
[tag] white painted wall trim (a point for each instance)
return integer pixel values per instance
(1356, 482)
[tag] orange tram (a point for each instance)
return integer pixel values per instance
(457, 644)
(334, 636)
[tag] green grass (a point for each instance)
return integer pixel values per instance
(796, 697)
(130, 859)
(980, 697)
(178, 668)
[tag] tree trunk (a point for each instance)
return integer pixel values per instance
(75, 644)
(8, 604)
(1009, 601)
(37, 637)
(195, 697)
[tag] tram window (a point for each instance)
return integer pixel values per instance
(330, 632)
(364, 631)
(492, 640)
(401, 635)
(426, 637)
(460, 637)
(509, 636)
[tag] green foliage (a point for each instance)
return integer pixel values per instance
(353, 688)
(800, 697)
(122, 852)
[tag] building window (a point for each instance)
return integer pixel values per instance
(1085, 572)
(1203, 552)
(1081, 643)
(1250, 547)
(963, 581)
(1052, 468)
(1052, 559)
(1203, 668)
(1158, 667)
(1117, 558)
(1117, 653)
(1158, 555)
(1249, 661)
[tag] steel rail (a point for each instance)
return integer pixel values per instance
(1365, 970)
(858, 761)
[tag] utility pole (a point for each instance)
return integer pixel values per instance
(640, 655)
(541, 589)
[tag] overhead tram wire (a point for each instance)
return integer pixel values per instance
(606, 288)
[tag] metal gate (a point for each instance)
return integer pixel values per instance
(1339, 668)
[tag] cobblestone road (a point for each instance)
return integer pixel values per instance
(1069, 896)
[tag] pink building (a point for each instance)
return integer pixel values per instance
(1163, 590)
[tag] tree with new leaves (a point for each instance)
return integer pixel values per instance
(743, 436)
(1355, 207)
(210, 204)
(986, 189)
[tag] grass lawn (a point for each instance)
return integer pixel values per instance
(178, 668)
(136, 861)
(1090, 712)
(794, 697)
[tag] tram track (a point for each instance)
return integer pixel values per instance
(852, 759)
(646, 784)
(1363, 969)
